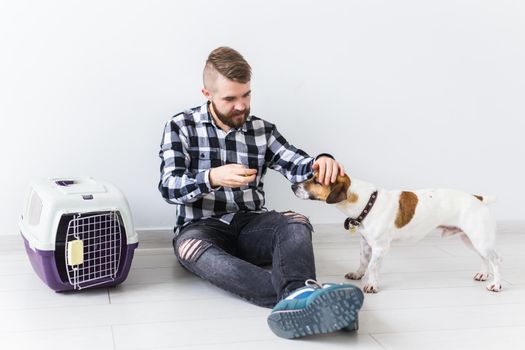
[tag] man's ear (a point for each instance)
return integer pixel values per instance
(339, 191)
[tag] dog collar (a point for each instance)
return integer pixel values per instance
(357, 222)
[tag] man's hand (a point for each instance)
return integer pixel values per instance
(328, 169)
(232, 175)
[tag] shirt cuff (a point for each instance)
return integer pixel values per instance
(206, 181)
(310, 172)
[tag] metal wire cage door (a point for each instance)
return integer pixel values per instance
(93, 245)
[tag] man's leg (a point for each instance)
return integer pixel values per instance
(205, 249)
(285, 240)
(282, 239)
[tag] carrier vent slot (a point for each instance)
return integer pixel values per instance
(65, 182)
(35, 208)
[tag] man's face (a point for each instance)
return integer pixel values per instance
(230, 101)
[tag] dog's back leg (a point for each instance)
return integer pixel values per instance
(479, 233)
(495, 262)
(483, 274)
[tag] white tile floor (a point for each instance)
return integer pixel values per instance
(428, 301)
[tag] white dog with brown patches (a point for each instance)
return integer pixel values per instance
(383, 216)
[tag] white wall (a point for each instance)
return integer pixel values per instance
(408, 94)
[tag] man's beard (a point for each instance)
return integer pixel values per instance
(227, 119)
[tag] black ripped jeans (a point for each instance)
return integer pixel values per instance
(232, 256)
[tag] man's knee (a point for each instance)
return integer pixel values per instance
(291, 217)
(190, 249)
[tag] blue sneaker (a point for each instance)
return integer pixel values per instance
(317, 309)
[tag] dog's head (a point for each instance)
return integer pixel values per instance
(332, 193)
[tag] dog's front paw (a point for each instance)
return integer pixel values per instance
(354, 276)
(370, 288)
(494, 287)
(481, 276)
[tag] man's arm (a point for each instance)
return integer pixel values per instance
(177, 184)
(296, 165)
(290, 161)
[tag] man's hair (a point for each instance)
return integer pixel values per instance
(229, 63)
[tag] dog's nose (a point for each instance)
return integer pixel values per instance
(294, 187)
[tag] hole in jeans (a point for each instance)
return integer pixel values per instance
(190, 249)
(294, 217)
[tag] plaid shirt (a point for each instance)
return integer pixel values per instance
(192, 144)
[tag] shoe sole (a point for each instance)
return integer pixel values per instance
(330, 312)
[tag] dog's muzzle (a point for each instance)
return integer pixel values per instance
(299, 191)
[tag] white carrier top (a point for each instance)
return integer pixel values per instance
(49, 199)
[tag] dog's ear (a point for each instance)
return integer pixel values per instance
(339, 191)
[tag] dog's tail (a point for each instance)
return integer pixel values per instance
(486, 199)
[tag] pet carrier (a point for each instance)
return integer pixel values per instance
(78, 233)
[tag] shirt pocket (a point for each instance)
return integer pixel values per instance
(249, 162)
(203, 159)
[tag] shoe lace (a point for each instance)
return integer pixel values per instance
(312, 283)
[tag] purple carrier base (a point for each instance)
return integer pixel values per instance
(43, 262)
